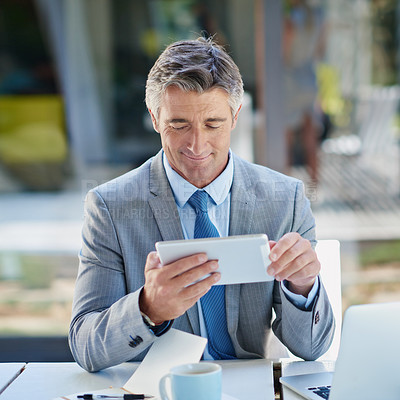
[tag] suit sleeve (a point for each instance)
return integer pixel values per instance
(307, 334)
(106, 327)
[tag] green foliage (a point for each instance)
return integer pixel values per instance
(330, 96)
(384, 42)
(381, 253)
(37, 272)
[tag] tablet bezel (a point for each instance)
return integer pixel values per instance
(242, 258)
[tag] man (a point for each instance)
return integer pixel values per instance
(125, 298)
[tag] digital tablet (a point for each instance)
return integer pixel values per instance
(241, 259)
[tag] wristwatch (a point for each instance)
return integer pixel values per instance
(158, 330)
(147, 320)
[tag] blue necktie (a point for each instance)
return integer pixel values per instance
(213, 302)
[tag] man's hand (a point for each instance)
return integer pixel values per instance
(293, 259)
(166, 294)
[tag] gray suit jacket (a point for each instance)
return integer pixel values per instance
(123, 220)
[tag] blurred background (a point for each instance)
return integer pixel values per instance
(321, 104)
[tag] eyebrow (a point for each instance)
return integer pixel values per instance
(182, 120)
(216, 120)
(177, 121)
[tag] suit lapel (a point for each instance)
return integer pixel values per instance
(163, 206)
(240, 223)
(162, 202)
(242, 202)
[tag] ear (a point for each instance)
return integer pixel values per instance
(154, 121)
(236, 117)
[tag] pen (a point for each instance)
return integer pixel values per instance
(114, 396)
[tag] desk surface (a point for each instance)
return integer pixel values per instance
(241, 379)
(46, 381)
(8, 372)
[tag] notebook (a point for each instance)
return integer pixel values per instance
(368, 364)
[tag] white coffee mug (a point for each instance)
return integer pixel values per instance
(199, 381)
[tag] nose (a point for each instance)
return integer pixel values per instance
(197, 140)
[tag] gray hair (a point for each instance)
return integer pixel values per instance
(194, 65)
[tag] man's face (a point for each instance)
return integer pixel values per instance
(195, 132)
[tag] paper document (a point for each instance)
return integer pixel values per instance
(171, 349)
(112, 391)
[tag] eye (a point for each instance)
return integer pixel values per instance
(214, 123)
(178, 127)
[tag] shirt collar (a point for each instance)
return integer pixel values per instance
(218, 189)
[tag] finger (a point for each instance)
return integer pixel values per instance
(184, 264)
(196, 273)
(300, 254)
(308, 273)
(152, 261)
(283, 244)
(302, 246)
(192, 293)
(199, 289)
(304, 260)
(303, 281)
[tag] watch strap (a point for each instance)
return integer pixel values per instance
(157, 330)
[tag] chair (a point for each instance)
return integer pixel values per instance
(373, 148)
(328, 252)
(33, 141)
(376, 111)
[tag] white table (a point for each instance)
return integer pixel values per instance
(248, 379)
(45, 381)
(8, 372)
(241, 379)
(290, 368)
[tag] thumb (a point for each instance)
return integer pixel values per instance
(272, 244)
(153, 261)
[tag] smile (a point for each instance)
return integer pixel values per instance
(197, 159)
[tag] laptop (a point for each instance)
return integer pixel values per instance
(368, 364)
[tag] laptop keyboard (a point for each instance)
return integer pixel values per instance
(322, 391)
